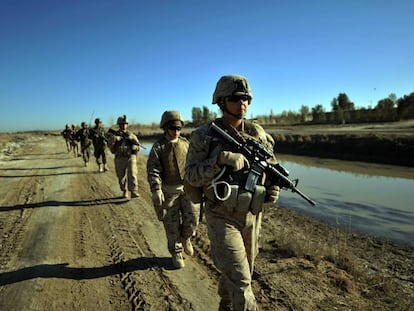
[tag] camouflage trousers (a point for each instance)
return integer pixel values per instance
(85, 153)
(100, 155)
(126, 170)
(180, 221)
(234, 247)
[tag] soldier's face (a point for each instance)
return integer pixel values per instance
(237, 105)
(123, 126)
(174, 129)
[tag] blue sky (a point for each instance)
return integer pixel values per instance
(71, 61)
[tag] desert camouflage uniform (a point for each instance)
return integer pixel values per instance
(166, 170)
(97, 134)
(82, 135)
(233, 225)
(125, 146)
(66, 133)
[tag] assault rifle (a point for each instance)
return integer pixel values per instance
(257, 154)
(125, 136)
(98, 134)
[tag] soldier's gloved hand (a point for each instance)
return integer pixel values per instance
(236, 160)
(158, 197)
(161, 212)
(272, 194)
(118, 138)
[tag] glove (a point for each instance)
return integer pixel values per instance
(272, 193)
(117, 138)
(161, 212)
(236, 160)
(158, 197)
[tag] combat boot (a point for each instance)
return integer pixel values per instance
(134, 194)
(100, 168)
(225, 305)
(178, 260)
(188, 247)
(105, 168)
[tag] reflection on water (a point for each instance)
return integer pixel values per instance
(368, 198)
(372, 199)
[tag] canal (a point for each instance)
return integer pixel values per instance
(370, 199)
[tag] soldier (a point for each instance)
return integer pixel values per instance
(82, 135)
(97, 134)
(233, 220)
(66, 133)
(73, 142)
(166, 169)
(125, 145)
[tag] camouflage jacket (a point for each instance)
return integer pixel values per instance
(201, 165)
(124, 143)
(82, 135)
(98, 137)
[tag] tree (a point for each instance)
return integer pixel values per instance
(386, 109)
(405, 107)
(318, 114)
(202, 116)
(341, 107)
(334, 104)
(206, 114)
(344, 103)
(304, 113)
(197, 116)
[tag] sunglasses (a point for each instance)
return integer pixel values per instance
(237, 98)
(175, 128)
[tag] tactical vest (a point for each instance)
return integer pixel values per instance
(124, 147)
(250, 131)
(239, 200)
(173, 156)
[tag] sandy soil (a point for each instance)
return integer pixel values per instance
(395, 129)
(68, 241)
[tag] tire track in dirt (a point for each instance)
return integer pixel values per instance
(15, 215)
(139, 268)
(145, 268)
(107, 244)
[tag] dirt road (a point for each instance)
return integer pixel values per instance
(69, 241)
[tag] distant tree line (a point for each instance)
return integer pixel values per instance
(343, 111)
(201, 116)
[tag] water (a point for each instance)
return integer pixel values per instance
(367, 198)
(371, 199)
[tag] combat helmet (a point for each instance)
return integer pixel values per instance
(122, 120)
(230, 85)
(97, 121)
(170, 115)
(84, 125)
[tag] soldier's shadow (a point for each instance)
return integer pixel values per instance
(62, 270)
(102, 201)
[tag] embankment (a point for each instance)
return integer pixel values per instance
(389, 149)
(395, 149)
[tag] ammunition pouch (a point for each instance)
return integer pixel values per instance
(240, 201)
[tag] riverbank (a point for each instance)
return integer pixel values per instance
(384, 143)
